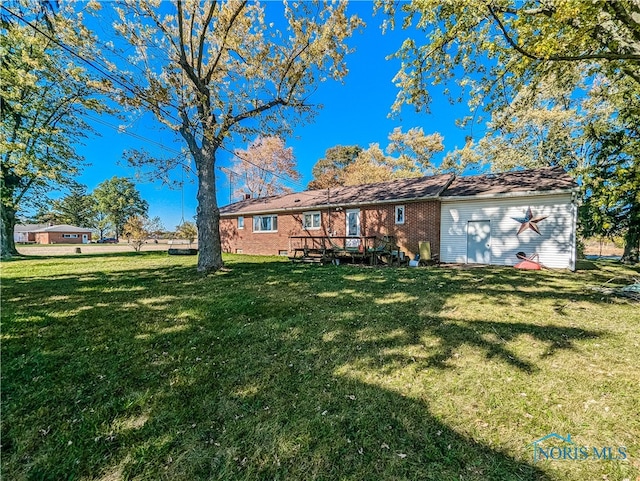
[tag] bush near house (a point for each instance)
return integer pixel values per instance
(133, 366)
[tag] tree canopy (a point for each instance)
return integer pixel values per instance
(408, 154)
(560, 81)
(119, 199)
(136, 230)
(329, 170)
(217, 71)
(76, 208)
(264, 167)
(43, 99)
(187, 230)
(493, 49)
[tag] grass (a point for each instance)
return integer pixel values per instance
(128, 366)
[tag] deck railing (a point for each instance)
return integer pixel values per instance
(361, 243)
(327, 248)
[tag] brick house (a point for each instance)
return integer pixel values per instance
(407, 209)
(52, 234)
(482, 219)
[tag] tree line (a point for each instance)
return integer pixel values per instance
(551, 83)
(106, 210)
(114, 207)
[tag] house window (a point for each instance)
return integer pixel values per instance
(399, 214)
(240, 222)
(311, 220)
(69, 236)
(265, 223)
(353, 222)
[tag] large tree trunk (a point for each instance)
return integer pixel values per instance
(7, 225)
(632, 245)
(632, 236)
(208, 215)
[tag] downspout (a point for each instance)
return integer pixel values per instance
(574, 230)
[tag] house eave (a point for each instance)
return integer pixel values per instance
(331, 206)
(502, 195)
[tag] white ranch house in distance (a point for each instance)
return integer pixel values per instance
(51, 234)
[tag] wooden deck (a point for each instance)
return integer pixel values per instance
(324, 249)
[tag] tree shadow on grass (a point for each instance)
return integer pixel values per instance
(160, 373)
(485, 337)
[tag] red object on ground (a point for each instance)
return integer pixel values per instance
(531, 263)
(528, 264)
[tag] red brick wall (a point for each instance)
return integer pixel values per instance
(422, 223)
(56, 238)
(265, 243)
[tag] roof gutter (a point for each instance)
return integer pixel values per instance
(334, 205)
(530, 193)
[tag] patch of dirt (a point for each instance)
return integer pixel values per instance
(70, 249)
(593, 248)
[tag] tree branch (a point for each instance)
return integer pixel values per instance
(209, 74)
(254, 112)
(203, 36)
(182, 52)
(558, 58)
(290, 65)
(191, 49)
(617, 9)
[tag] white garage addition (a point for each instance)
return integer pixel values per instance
(491, 219)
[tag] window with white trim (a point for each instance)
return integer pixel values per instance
(311, 220)
(70, 236)
(399, 214)
(240, 222)
(265, 223)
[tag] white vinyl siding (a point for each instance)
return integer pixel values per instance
(555, 245)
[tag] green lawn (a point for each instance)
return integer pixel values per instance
(128, 366)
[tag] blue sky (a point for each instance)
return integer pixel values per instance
(355, 112)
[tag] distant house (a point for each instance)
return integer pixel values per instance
(51, 234)
(485, 219)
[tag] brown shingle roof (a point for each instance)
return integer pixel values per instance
(381, 192)
(536, 180)
(63, 228)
